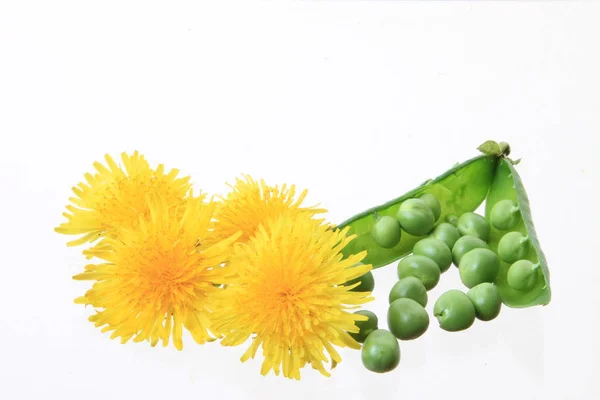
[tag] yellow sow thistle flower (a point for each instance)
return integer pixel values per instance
(251, 203)
(114, 197)
(289, 294)
(158, 277)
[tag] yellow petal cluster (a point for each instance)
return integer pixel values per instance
(158, 278)
(256, 264)
(251, 204)
(116, 197)
(289, 296)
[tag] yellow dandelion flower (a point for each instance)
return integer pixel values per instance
(289, 294)
(251, 203)
(114, 197)
(158, 278)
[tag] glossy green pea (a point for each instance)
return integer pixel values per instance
(421, 267)
(505, 215)
(513, 246)
(386, 232)
(433, 203)
(409, 288)
(472, 224)
(381, 351)
(366, 327)
(407, 319)
(522, 275)
(447, 233)
(486, 300)
(478, 266)
(367, 283)
(415, 217)
(464, 245)
(436, 250)
(454, 311)
(452, 219)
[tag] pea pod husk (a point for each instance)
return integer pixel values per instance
(507, 185)
(460, 189)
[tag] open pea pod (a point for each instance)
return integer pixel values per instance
(460, 189)
(507, 185)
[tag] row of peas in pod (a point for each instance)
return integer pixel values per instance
(495, 257)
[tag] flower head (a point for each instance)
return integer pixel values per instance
(158, 277)
(251, 203)
(114, 197)
(289, 294)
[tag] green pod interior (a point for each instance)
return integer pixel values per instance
(507, 185)
(460, 189)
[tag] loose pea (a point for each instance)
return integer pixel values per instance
(505, 215)
(416, 217)
(486, 299)
(409, 288)
(407, 319)
(436, 250)
(386, 232)
(478, 266)
(464, 245)
(447, 233)
(366, 327)
(522, 275)
(454, 311)
(381, 351)
(473, 225)
(433, 203)
(513, 246)
(421, 267)
(367, 283)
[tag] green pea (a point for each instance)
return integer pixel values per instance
(421, 267)
(447, 233)
(386, 232)
(472, 224)
(433, 203)
(513, 246)
(367, 283)
(409, 288)
(522, 275)
(366, 327)
(454, 311)
(381, 351)
(505, 215)
(452, 219)
(407, 319)
(416, 217)
(486, 299)
(464, 245)
(436, 250)
(478, 266)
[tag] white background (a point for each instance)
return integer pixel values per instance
(358, 102)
